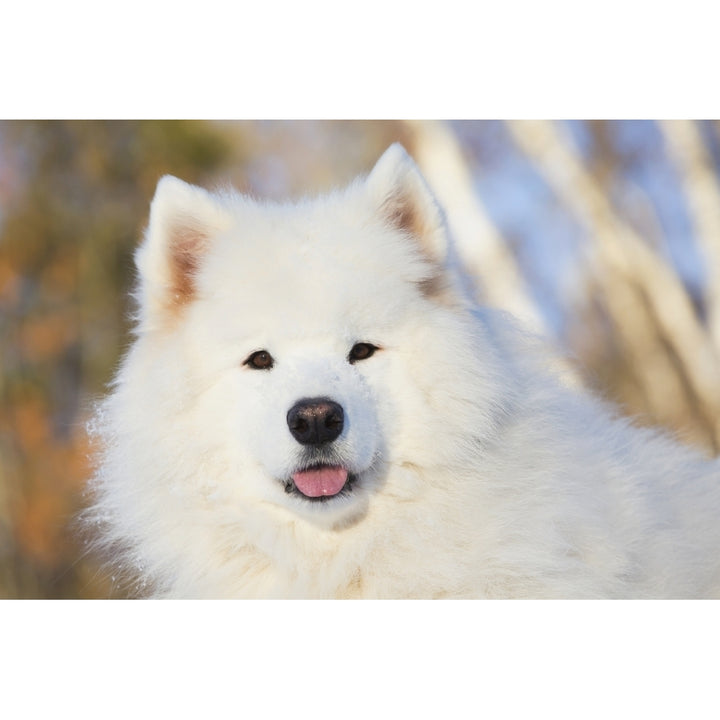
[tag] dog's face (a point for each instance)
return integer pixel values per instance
(296, 327)
(310, 421)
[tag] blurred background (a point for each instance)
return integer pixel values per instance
(602, 236)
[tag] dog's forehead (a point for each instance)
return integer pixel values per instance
(305, 304)
(301, 266)
(312, 238)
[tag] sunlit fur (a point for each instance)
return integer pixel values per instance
(480, 474)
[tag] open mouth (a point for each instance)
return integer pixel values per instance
(320, 483)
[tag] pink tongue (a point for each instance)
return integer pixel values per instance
(320, 481)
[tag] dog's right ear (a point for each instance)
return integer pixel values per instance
(183, 220)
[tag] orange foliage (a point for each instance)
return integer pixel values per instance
(69, 223)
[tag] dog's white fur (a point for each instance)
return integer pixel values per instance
(480, 473)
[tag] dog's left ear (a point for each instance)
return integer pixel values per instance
(403, 197)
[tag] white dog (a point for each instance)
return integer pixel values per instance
(311, 408)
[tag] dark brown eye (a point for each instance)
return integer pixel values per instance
(260, 360)
(361, 351)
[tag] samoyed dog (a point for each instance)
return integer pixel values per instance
(312, 408)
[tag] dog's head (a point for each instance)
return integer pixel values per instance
(295, 340)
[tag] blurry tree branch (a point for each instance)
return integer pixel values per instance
(648, 305)
(702, 191)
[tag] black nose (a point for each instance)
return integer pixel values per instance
(315, 421)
